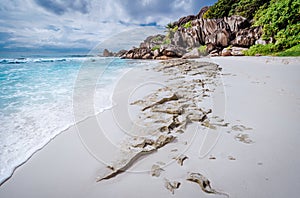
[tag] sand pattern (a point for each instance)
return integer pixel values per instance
(167, 112)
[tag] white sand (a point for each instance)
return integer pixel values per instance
(260, 93)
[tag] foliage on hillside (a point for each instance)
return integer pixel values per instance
(220, 9)
(245, 8)
(279, 19)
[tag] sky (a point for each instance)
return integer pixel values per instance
(83, 24)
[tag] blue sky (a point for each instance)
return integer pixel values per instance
(82, 24)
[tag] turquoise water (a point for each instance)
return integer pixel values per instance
(36, 98)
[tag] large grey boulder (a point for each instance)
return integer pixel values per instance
(238, 51)
(107, 53)
(171, 50)
(192, 54)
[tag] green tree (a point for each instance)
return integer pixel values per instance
(247, 8)
(280, 20)
(220, 9)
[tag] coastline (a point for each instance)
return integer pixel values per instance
(239, 168)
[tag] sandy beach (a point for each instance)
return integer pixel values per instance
(233, 122)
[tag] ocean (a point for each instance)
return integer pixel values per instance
(36, 99)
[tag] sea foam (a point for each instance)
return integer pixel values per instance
(36, 100)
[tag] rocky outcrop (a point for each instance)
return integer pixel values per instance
(138, 53)
(215, 34)
(164, 52)
(120, 53)
(192, 54)
(185, 19)
(172, 50)
(107, 53)
(247, 37)
(152, 41)
(202, 11)
(233, 51)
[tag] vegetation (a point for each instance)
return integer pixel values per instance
(157, 38)
(170, 26)
(166, 41)
(220, 9)
(170, 33)
(279, 19)
(175, 28)
(155, 47)
(202, 49)
(269, 50)
(188, 24)
(293, 51)
(245, 8)
(259, 49)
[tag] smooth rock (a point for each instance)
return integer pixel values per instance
(156, 53)
(192, 54)
(162, 58)
(238, 51)
(107, 53)
(172, 50)
(226, 52)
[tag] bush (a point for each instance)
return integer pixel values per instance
(277, 16)
(155, 47)
(170, 25)
(202, 49)
(247, 8)
(280, 20)
(220, 9)
(166, 41)
(288, 37)
(260, 49)
(157, 38)
(293, 51)
(175, 28)
(188, 24)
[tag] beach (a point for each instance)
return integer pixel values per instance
(244, 140)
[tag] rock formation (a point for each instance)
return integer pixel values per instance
(186, 19)
(217, 33)
(107, 53)
(193, 31)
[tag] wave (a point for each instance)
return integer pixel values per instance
(47, 60)
(36, 103)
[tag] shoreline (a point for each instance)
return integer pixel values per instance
(257, 81)
(18, 161)
(52, 139)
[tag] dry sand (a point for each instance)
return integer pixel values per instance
(254, 155)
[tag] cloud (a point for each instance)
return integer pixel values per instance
(147, 11)
(83, 23)
(62, 6)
